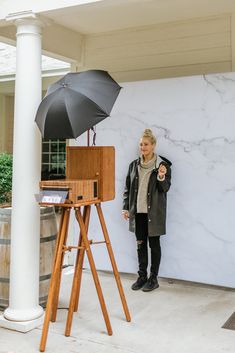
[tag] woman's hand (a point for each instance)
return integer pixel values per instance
(125, 214)
(162, 171)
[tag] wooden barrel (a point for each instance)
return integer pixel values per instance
(48, 232)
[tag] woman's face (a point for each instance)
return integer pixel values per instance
(146, 147)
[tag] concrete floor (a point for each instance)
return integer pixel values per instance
(179, 317)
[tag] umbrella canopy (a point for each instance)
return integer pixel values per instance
(76, 103)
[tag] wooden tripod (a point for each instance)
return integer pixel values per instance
(84, 245)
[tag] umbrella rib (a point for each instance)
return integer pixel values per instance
(86, 97)
(70, 123)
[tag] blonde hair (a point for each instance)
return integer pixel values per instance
(149, 135)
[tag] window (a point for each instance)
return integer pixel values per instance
(53, 159)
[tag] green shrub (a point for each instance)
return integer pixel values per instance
(5, 177)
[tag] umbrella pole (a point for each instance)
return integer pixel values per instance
(88, 137)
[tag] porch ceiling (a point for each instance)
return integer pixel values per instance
(111, 15)
(73, 34)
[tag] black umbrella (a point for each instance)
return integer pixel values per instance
(76, 103)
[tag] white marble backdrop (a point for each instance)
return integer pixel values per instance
(194, 120)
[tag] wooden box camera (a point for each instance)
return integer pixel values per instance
(90, 174)
(78, 190)
(96, 162)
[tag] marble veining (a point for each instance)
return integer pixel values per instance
(194, 120)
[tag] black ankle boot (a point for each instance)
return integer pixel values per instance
(139, 283)
(151, 284)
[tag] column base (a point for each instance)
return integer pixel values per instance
(23, 314)
(21, 326)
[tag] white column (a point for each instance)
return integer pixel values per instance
(24, 310)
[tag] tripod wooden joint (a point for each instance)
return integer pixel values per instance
(70, 248)
(92, 242)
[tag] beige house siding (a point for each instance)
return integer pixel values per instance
(6, 123)
(9, 123)
(2, 122)
(167, 50)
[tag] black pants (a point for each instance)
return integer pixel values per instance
(141, 232)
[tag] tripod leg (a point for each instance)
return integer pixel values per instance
(93, 270)
(56, 246)
(86, 218)
(54, 276)
(113, 262)
(78, 273)
(58, 280)
(74, 298)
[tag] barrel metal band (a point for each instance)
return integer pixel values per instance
(42, 278)
(4, 280)
(45, 277)
(46, 239)
(5, 241)
(42, 240)
(43, 299)
(4, 302)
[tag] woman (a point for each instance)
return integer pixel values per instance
(144, 204)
